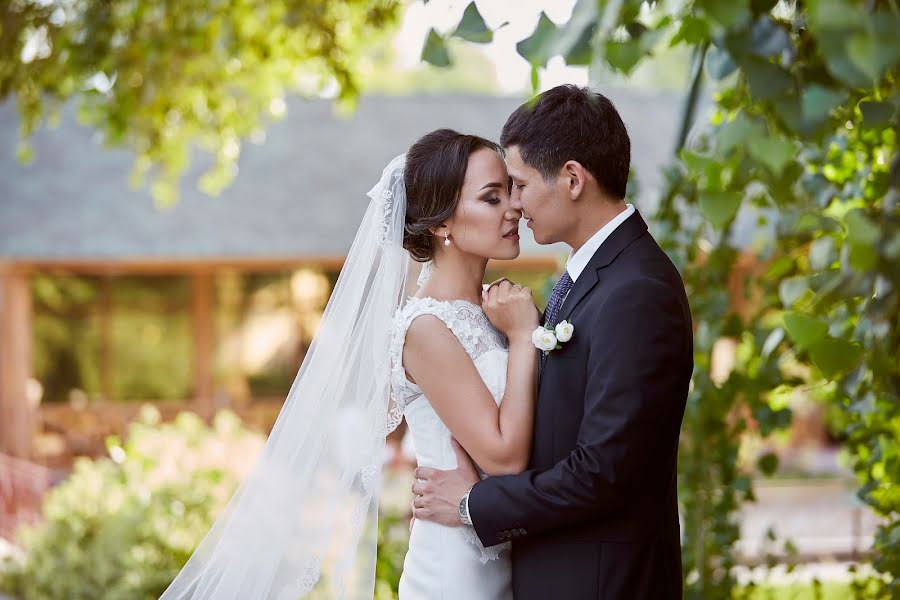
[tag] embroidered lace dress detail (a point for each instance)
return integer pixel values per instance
(477, 336)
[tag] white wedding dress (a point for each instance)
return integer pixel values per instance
(448, 562)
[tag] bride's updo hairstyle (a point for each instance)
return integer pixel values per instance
(434, 174)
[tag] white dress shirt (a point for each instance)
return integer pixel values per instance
(580, 259)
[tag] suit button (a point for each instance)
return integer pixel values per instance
(522, 531)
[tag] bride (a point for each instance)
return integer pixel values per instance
(456, 362)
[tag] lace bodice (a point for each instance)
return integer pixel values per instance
(487, 348)
(467, 322)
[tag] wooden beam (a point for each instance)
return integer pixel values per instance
(202, 346)
(150, 266)
(107, 363)
(16, 416)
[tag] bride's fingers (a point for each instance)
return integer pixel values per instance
(497, 282)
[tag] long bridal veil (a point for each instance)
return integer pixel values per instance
(304, 521)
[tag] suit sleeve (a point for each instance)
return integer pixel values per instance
(637, 347)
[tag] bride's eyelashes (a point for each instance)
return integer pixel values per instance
(493, 200)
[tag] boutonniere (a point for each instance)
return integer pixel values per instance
(546, 339)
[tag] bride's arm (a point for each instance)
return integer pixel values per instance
(497, 438)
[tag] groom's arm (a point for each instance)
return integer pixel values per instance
(636, 361)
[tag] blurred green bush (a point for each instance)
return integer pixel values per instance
(122, 527)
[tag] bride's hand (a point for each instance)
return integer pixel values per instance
(511, 309)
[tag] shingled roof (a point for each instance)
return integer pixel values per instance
(300, 194)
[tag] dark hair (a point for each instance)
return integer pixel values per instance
(434, 174)
(572, 123)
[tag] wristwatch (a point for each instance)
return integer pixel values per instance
(464, 509)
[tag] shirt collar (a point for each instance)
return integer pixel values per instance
(579, 260)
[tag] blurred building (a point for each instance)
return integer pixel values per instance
(107, 300)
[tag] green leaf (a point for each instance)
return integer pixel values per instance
(774, 152)
(472, 27)
(772, 420)
(789, 110)
(860, 229)
(573, 39)
(834, 356)
(767, 80)
(719, 207)
(582, 53)
(833, 14)
(697, 164)
(832, 44)
(623, 56)
(804, 330)
(435, 50)
(24, 152)
(762, 6)
(876, 114)
(768, 464)
(819, 101)
(539, 47)
(738, 132)
(726, 14)
(863, 258)
(693, 31)
(872, 55)
(781, 397)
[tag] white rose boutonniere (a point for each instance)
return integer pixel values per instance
(564, 331)
(546, 339)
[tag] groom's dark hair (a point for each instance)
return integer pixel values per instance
(572, 123)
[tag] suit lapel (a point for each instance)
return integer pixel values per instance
(633, 227)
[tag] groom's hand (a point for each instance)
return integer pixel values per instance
(438, 493)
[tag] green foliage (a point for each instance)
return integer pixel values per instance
(393, 541)
(805, 137)
(122, 527)
(159, 77)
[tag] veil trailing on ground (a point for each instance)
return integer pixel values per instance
(303, 524)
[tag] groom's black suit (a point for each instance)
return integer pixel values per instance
(596, 515)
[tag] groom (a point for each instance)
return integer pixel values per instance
(596, 514)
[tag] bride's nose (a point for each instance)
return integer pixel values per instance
(512, 215)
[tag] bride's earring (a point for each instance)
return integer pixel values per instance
(447, 239)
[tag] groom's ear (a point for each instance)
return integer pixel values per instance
(575, 177)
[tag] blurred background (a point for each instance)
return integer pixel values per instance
(180, 184)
